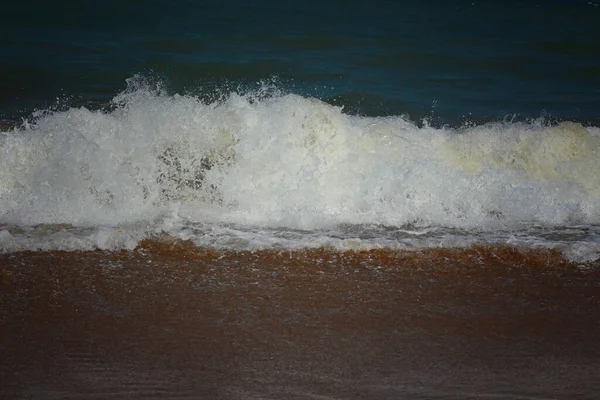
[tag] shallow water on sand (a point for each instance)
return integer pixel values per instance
(175, 321)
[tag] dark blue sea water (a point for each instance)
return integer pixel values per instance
(449, 61)
(295, 124)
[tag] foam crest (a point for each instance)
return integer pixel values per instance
(283, 160)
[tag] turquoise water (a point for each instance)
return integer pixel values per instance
(448, 61)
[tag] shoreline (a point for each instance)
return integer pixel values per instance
(172, 320)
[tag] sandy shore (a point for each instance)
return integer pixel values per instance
(173, 321)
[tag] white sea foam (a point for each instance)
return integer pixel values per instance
(286, 162)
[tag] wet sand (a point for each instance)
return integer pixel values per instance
(173, 321)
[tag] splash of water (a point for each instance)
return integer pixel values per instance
(271, 159)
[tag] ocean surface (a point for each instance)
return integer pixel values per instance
(251, 125)
(266, 185)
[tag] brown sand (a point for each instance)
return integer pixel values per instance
(174, 321)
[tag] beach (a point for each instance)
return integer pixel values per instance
(174, 321)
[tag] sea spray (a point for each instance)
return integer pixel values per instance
(273, 160)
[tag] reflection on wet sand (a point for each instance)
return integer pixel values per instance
(174, 321)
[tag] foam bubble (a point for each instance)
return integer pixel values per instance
(283, 160)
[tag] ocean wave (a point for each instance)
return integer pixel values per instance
(279, 160)
(579, 244)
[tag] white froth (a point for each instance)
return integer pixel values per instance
(287, 161)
